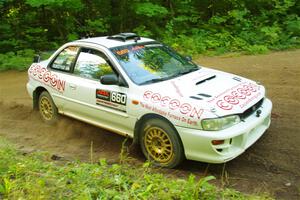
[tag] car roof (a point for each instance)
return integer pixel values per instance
(110, 43)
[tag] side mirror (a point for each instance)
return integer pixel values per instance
(112, 79)
(109, 79)
(36, 58)
(188, 58)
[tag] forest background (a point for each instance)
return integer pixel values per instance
(192, 27)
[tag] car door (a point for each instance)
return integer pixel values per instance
(58, 73)
(93, 102)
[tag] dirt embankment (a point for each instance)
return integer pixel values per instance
(271, 165)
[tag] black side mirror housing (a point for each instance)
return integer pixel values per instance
(109, 79)
(112, 79)
(188, 58)
(37, 58)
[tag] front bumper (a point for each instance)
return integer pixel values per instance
(198, 143)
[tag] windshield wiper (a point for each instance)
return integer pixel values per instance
(154, 80)
(182, 72)
(188, 71)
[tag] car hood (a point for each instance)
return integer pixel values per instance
(214, 91)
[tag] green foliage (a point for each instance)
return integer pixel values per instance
(69, 4)
(95, 27)
(141, 30)
(20, 60)
(150, 10)
(34, 176)
(190, 26)
(293, 25)
(256, 49)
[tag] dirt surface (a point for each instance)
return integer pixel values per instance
(271, 165)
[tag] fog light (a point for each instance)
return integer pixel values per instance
(217, 142)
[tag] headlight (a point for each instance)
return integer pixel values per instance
(216, 124)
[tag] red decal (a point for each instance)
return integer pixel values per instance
(137, 47)
(61, 85)
(164, 101)
(41, 72)
(244, 91)
(196, 113)
(172, 104)
(231, 99)
(147, 95)
(125, 51)
(224, 105)
(43, 75)
(185, 108)
(239, 95)
(53, 80)
(155, 98)
(122, 52)
(252, 87)
(46, 76)
(103, 93)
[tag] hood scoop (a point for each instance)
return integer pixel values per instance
(197, 98)
(204, 95)
(206, 79)
(200, 96)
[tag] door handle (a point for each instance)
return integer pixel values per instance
(72, 86)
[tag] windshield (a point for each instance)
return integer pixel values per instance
(149, 63)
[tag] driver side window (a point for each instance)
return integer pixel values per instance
(65, 59)
(92, 64)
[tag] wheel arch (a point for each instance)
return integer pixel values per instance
(35, 96)
(146, 117)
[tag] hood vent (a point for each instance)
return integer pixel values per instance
(204, 95)
(200, 96)
(207, 79)
(197, 98)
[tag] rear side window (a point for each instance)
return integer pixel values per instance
(65, 59)
(92, 64)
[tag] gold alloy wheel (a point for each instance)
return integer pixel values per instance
(158, 145)
(46, 108)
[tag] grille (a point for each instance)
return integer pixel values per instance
(252, 109)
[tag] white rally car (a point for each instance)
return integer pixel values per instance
(141, 88)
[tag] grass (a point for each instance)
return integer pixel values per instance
(36, 176)
(20, 60)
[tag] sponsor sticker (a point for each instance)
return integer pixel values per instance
(49, 78)
(103, 94)
(112, 99)
(158, 101)
(240, 95)
(121, 52)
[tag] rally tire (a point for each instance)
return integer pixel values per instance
(47, 108)
(160, 143)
